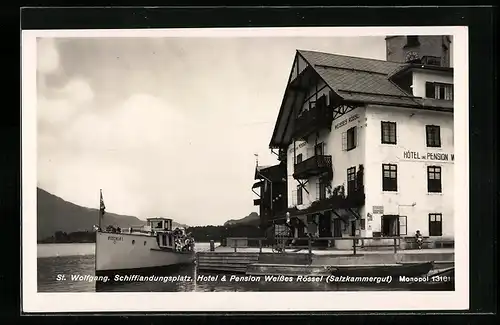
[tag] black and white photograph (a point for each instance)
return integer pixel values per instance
(224, 165)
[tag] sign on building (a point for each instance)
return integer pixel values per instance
(378, 209)
(428, 156)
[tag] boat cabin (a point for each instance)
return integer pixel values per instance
(159, 224)
(163, 229)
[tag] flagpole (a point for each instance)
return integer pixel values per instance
(99, 210)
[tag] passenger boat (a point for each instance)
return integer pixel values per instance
(408, 270)
(154, 245)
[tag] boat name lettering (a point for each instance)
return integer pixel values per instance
(115, 238)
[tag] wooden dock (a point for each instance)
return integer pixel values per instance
(225, 261)
(239, 259)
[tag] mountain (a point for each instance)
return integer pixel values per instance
(251, 219)
(55, 214)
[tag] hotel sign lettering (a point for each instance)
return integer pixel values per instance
(347, 120)
(302, 144)
(431, 156)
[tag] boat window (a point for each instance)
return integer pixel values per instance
(144, 243)
(133, 241)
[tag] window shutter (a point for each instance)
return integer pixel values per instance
(430, 90)
(344, 141)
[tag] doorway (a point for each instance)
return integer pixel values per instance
(353, 228)
(325, 225)
(390, 225)
(337, 227)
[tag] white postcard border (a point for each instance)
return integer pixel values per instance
(32, 301)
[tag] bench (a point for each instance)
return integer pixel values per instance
(411, 243)
(444, 243)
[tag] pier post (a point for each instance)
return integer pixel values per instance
(260, 245)
(235, 243)
(212, 246)
(395, 246)
(354, 247)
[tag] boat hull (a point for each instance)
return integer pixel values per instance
(121, 251)
(410, 270)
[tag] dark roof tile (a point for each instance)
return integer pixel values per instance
(365, 78)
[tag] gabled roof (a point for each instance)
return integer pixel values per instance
(353, 79)
(358, 79)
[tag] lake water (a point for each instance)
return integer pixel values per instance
(78, 259)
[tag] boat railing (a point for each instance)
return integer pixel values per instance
(309, 243)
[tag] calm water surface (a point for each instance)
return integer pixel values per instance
(78, 259)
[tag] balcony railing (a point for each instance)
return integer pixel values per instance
(313, 166)
(317, 118)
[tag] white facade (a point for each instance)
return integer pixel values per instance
(412, 157)
(410, 154)
(341, 159)
(420, 77)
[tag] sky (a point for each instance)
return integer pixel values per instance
(165, 126)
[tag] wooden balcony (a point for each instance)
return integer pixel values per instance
(314, 166)
(313, 120)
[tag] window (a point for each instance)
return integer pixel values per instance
(362, 224)
(434, 179)
(389, 177)
(403, 229)
(321, 190)
(299, 195)
(319, 149)
(388, 132)
(433, 135)
(299, 158)
(435, 224)
(412, 41)
(351, 180)
(351, 138)
(439, 90)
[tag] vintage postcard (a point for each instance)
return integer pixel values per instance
(263, 169)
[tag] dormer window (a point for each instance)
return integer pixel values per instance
(438, 90)
(412, 41)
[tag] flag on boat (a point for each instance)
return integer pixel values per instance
(102, 207)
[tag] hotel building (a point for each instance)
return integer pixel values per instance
(367, 144)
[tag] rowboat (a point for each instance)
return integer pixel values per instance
(381, 270)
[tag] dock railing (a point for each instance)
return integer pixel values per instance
(287, 243)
